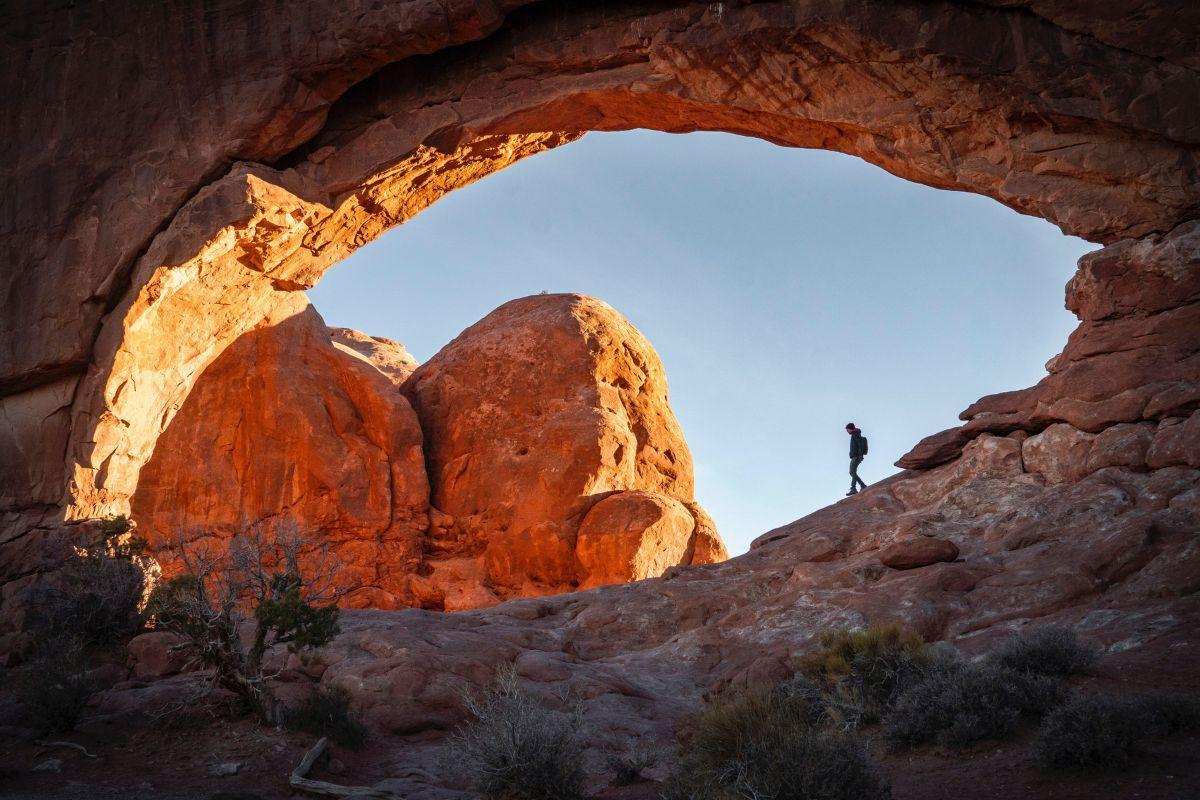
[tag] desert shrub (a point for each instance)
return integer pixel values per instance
(812, 765)
(768, 742)
(1052, 650)
(326, 712)
(1090, 731)
(800, 689)
(717, 735)
(257, 587)
(840, 648)
(53, 687)
(957, 703)
(516, 748)
(1167, 714)
(1094, 731)
(96, 595)
(863, 671)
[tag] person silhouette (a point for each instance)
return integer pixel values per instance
(858, 449)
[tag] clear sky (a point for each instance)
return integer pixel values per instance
(787, 292)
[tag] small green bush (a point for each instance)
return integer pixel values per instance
(717, 735)
(326, 712)
(957, 704)
(1090, 731)
(769, 742)
(813, 765)
(800, 689)
(271, 586)
(1053, 650)
(53, 687)
(516, 748)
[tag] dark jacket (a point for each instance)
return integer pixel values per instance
(856, 445)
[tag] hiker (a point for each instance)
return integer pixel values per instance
(858, 449)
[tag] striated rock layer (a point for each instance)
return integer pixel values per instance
(1134, 359)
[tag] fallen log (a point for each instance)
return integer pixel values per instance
(300, 780)
(71, 745)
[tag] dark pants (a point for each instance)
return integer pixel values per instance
(856, 481)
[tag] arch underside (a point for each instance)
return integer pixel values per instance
(1083, 127)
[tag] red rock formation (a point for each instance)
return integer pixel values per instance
(296, 425)
(1135, 356)
(353, 122)
(387, 356)
(143, 248)
(156, 654)
(287, 428)
(632, 535)
(917, 551)
(534, 414)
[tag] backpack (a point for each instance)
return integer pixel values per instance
(864, 444)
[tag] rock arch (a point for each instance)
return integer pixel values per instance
(175, 178)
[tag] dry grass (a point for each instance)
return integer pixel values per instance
(863, 671)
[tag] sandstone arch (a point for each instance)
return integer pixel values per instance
(154, 234)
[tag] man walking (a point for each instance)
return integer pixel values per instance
(858, 449)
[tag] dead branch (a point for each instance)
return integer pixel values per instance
(299, 778)
(71, 745)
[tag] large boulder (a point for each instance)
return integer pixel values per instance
(633, 535)
(286, 429)
(533, 415)
(388, 356)
(918, 551)
(157, 654)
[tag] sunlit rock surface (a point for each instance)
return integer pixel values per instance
(286, 429)
(155, 222)
(532, 416)
(990, 549)
(546, 408)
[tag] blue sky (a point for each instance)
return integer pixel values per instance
(787, 292)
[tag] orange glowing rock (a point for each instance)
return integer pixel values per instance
(286, 428)
(534, 414)
(547, 406)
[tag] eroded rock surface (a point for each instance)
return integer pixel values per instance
(388, 356)
(1113, 554)
(1134, 358)
(549, 413)
(287, 429)
(633, 535)
(128, 229)
(532, 416)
